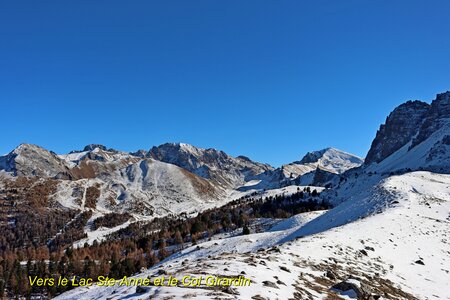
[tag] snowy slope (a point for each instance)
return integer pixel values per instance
(431, 154)
(415, 136)
(106, 180)
(387, 233)
(331, 159)
(380, 242)
(144, 188)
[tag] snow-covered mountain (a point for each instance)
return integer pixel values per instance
(315, 168)
(31, 160)
(209, 163)
(386, 236)
(169, 179)
(122, 182)
(416, 136)
(332, 160)
(431, 154)
(147, 188)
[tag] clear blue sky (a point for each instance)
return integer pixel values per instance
(267, 79)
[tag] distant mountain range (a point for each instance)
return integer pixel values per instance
(167, 179)
(173, 177)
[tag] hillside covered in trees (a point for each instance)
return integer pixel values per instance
(41, 244)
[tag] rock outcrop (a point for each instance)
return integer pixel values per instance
(209, 163)
(436, 117)
(400, 127)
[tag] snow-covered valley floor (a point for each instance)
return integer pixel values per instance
(394, 240)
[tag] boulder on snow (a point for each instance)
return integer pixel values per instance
(270, 284)
(349, 286)
(420, 262)
(161, 272)
(142, 289)
(283, 268)
(330, 275)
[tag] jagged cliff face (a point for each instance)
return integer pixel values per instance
(209, 163)
(400, 127)
(416, 136)
(436, 117)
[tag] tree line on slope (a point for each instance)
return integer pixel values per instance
(140, 245)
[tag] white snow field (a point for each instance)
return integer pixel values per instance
(393, 238)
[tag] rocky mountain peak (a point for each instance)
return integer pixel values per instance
(243, 157)
(313, 156)
(208, 163)
(436, 117)
(400, 127)
(444, 99)
(32, 160)
(93, 147)
(315, 168)
(139, 153)
(24, 147)
(332, 159)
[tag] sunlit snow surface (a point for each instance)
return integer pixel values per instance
(403, 218)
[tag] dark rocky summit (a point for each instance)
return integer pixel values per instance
(421, 131)
(400, 127)
(434, 119)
